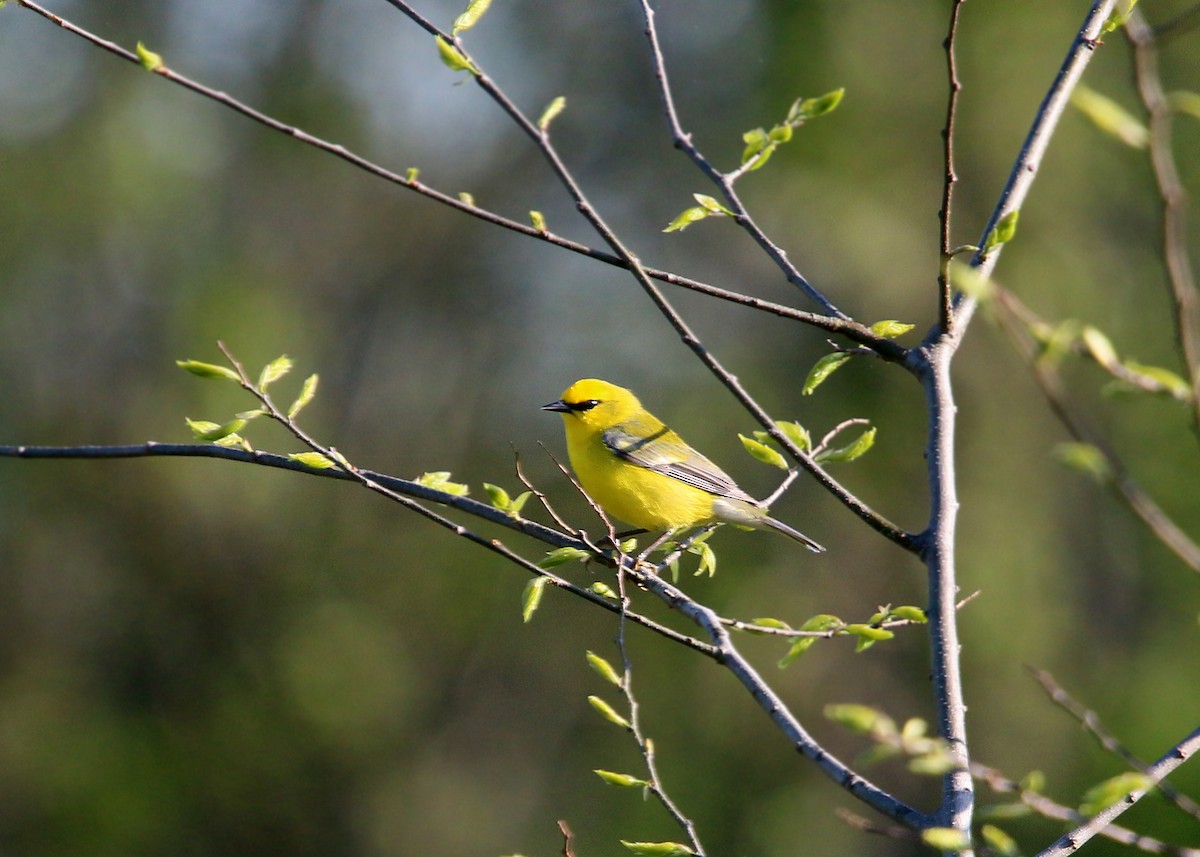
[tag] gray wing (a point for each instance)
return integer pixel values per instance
(663, 452)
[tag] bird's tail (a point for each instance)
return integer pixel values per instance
(795, 534)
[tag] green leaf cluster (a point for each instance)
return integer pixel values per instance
(761, 143)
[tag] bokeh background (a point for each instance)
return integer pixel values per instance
(198, 657)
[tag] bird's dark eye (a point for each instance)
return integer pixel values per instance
(585, 405)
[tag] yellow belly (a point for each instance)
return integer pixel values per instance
(635, 495)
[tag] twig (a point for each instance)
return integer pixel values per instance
(683, 141)
(891, 831)
(568, 849)
(1072, 840)
(1015, 318)
(729, 656)
(542, 139)
(1185, 298)
(1048, 808)
(654, 784)
(949, 178)
(887, 349)
(1024, 171)
(1091, 722)
(395, 489)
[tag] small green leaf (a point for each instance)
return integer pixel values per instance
(1003, 811)
(608, 712)
(232, 441)
(859, 718)
(439, 480)
(1085, 458)
(756, 141)
(315, 460)
(946, 839)
(971, 281)
(252, 414)
(823, 368)
(208, 370)
(466, 198)
(1100, 347)
(471, 16)
(804, 109)
(708, 559)
(561, 556)
(799, 646)
(768, 622)
(763, 453)
(686, 218)
(1165, 379)
(411, 175)
(497, 496)
(796, 433)
(711, 204)
(273, 371)
(603, 669)
(869, 632)
(453, 57)
(211, 432)
(822, 622)
(538, 221)
(781, 134)
(1034, 781)
(855, 449)
(935, 763)
(1110, 117)
(1103, 795)
(891, 329)
(551, 112)
(1185, 102)
(531, 597)
(623, 780)
(149, 59)
(909, 613)
(603, 590)
(1003, 232)
(658, 849)
(999, 841)
(307, 393)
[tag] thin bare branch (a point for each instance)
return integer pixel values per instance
(1184, 295)
(1048, 808)
(853, 330)
(1024, 171)
(1016, 318)
(741, 216)
(1072, 840)
(949, 177)
(1091, 722)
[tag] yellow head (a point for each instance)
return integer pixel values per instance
(595, 404)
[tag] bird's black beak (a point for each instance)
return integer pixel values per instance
(560, 406)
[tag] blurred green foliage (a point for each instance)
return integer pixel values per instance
(198, 657)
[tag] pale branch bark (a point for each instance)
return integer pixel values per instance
(398, 490)
(1072, 840)
(784, 720)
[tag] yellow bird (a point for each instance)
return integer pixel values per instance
(638, 470)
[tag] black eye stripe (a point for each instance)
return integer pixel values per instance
(585, 405)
